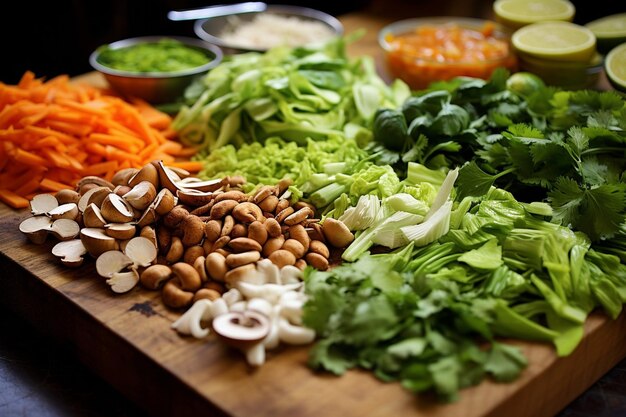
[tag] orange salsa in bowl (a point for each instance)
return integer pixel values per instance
(420, 51)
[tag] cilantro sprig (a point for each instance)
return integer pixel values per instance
(567, 148)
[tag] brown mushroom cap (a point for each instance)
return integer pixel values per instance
(242, 329)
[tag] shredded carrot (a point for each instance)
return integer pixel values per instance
(49, 185)
(10, 198)
(101, 168)
(191, 166)
(53, 132)
(29, 158)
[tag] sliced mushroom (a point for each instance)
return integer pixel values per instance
(242, 330)
(116, 210)
(36, 228)
(97, 241)
(92, 179)
(122, 177)
(167, 177)
(164, 202)
(95, 195)
(71, 252)
(65, 229)
(147, 173)
(43, 203)
(293, 334)
(123, 281)
(190, 323)
(141, 195)
(112, 262)
(67, 196)
(204, 186)
(92, 217)
(122, 231)
(194, 198)
(141, 250)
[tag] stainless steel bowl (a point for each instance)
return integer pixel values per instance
(211, 29)
(155, 87)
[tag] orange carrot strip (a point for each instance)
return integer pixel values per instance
(169, 133)
(120, 155)
(147, 151)
(44, 131)
(62, 175)
(22, 177)
(170, 147)
(153, 117)
(83, 107)
(29, 158)
(56, 131)
(11, 199)
(75, 165)
(191, 166)
(123, 165)
(49, 185)
(29, 187)
(117, 141)
(69, 116)
(186, 152)
(101, 168)
(167, 159)
(70, 128)
(26, 79)
(56, 158)
(96, 148)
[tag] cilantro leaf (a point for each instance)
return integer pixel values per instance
(565, 198)
(578, 140)
(330, 356)
(505, 362)
(603, 210)
(473, 181)
(597, 211)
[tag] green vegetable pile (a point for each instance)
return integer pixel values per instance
(165, 55)
(294, 93)
(499, 206)
(568, 147)
(429, 316)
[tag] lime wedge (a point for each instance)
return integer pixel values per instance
(561, 41)
(518, 13)
(615, 67)
(610, 31)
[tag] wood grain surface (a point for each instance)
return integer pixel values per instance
(127, 340)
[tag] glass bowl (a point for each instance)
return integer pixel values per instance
(154, 87)
(418, 67)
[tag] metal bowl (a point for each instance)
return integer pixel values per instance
(211, 29)
(155, 87)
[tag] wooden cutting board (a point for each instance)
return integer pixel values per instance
(127, 340)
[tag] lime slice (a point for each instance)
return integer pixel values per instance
(561, 41)
(615, 67)
(610, 31)
(518, 13)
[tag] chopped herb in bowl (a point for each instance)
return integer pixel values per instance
(164, 55)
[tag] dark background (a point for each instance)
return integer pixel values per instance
(56, 36)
